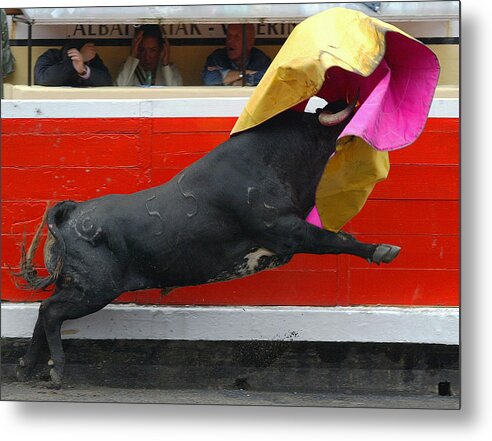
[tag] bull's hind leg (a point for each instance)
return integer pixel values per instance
(28, 362)
(291, 235)
(47, 319)
(53, 312)
(65, 304)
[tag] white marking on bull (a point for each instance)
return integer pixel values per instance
(248, 266)
(253, 258)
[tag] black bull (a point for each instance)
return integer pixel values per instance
(239, 210)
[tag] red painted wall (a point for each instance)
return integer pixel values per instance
(417, 207)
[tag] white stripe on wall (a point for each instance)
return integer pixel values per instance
(279, 323)
(165, 108)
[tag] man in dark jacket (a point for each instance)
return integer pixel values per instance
(224, 66)
(76, 64)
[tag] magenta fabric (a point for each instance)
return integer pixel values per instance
(314, 219)
(394, 101)
(398, 95)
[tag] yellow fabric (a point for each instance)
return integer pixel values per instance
(348, 180)
(338, 37)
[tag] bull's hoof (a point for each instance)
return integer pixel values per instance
(385, 253)
(22, 372)
(56, 379)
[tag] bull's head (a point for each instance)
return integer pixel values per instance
(327, 118)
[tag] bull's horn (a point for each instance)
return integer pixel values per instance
(332, 119)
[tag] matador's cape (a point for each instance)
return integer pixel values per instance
(331, 55)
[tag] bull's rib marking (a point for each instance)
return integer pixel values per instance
(269, 213)
(253, 195)
(188, 195)
(154, 213)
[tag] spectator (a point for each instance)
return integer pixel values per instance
(224, 66)
(148, 63)
(76, 64)
(8, 60)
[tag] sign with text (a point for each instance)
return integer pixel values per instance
(178, 30)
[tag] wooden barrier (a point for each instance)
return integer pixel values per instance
(83, 156)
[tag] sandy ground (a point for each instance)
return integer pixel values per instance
(36, 391)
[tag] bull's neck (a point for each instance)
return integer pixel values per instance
(303, 165)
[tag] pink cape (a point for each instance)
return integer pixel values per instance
(394, 100)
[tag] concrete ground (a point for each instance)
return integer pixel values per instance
(244, 373)
(36, 391)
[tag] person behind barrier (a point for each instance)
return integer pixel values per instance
(224, 66)
(76, 64)
(8, 59)
(148, 63)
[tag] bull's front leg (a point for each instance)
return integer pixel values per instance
(292, 235)
(383, 253)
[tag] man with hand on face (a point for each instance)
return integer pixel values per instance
(224, 67)
(148, 63)
(76, 64)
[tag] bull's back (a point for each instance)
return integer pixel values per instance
(189, 230)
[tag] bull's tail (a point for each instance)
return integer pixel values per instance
(27, 278)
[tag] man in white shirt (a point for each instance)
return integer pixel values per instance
(148, 63)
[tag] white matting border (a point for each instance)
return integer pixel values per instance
(280, 323)
(166, 108)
